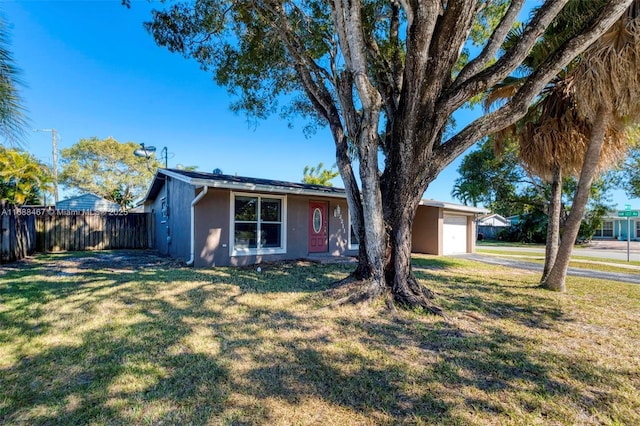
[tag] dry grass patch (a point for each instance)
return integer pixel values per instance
(150, 343)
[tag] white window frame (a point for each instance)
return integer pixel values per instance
(600, 230)
(351, 245)
(259, 250)
(637, 228)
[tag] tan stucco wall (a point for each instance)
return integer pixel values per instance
(212, 226)
(339, 228)
(471, 234)
(427, 231)
(212, 229)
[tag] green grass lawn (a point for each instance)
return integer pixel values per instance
(89, 339)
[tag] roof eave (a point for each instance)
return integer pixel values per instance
(236, 186)
(264, 188)
(450, 206)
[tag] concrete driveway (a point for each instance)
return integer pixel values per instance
(632, 277)
(597, 249)
(600, 249)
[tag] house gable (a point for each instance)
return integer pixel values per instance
(493, 220)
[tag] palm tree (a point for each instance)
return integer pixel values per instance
(606, 88)
(554, 139)
(23, 179)
(12, 115)
(553, 146)
(549, 146)
(551, 140)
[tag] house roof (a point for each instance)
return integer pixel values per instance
(240, 183)
(452, 206)
(87, 202)
(493, 216)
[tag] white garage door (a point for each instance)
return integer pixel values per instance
(454, 235)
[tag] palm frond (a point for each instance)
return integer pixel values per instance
(13, 121)
(609, 72)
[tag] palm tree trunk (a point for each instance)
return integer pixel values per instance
(557, 276)
(553, 224)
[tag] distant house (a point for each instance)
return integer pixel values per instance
(211, 219)
(88, 202)
(514, 220)
(490, 224)
(616, 227)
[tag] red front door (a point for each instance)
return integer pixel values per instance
(318, 233)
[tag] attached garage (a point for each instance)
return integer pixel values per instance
(454, 234)
(444, 228)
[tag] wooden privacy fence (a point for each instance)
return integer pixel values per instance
(85, 230)
(17, 233)
(25, 230)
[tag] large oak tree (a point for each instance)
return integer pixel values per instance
(386, 77)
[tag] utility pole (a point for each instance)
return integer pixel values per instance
(54, 144)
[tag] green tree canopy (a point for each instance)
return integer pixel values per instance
(497, 182)
(501, 184)
(319, 175)
(630, 172)
(23, 179)
(107, 168)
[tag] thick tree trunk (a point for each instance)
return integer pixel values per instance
(375, 236)
(405, 289)
(553, 223)
(363, 270)
(557, 276)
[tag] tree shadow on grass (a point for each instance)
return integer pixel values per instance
(460, 374)
(209, 352)
(133, 368)
(518, 302)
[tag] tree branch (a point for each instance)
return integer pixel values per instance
(493, 44)
(517, 107)
(408, 10)
(451, 32)
(348, 18)
(389, 69)
(456, 96)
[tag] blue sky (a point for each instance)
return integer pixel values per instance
(92, 70)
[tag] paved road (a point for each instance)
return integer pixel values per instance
(632, 277)
(603, 250)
